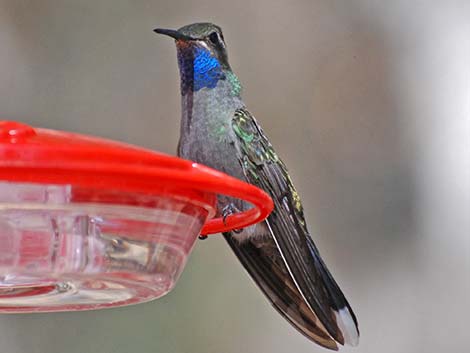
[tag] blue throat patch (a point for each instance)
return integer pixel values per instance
(207, 70)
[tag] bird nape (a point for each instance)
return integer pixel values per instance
(279, 254)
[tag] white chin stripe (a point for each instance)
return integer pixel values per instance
(347, 327)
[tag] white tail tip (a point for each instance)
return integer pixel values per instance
(347, 326)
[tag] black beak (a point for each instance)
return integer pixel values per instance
(172, 33)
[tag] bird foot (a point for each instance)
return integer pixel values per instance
(228, 211)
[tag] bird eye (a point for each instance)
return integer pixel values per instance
(214, 38)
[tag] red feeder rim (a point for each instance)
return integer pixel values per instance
(46, 156)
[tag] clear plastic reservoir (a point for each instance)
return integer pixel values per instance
(69, 248)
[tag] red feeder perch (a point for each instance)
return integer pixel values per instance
(88, 223)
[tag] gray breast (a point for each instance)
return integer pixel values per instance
(206, 132)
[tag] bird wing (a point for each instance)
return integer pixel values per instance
(285, 263)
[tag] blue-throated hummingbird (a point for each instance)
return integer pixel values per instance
(217, 130)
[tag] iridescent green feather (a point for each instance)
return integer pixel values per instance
(234, 83)
(258, 152)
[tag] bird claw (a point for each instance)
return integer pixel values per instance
(228, 211)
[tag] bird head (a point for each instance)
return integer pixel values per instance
(204, 38)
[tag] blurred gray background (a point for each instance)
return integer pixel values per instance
(367, 101)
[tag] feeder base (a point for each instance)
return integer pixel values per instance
(57, 254)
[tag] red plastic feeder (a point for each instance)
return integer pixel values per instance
(87, 223)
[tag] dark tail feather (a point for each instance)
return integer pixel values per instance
(281, 291)
(345, 317)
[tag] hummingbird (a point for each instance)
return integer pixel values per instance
(279, 254)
